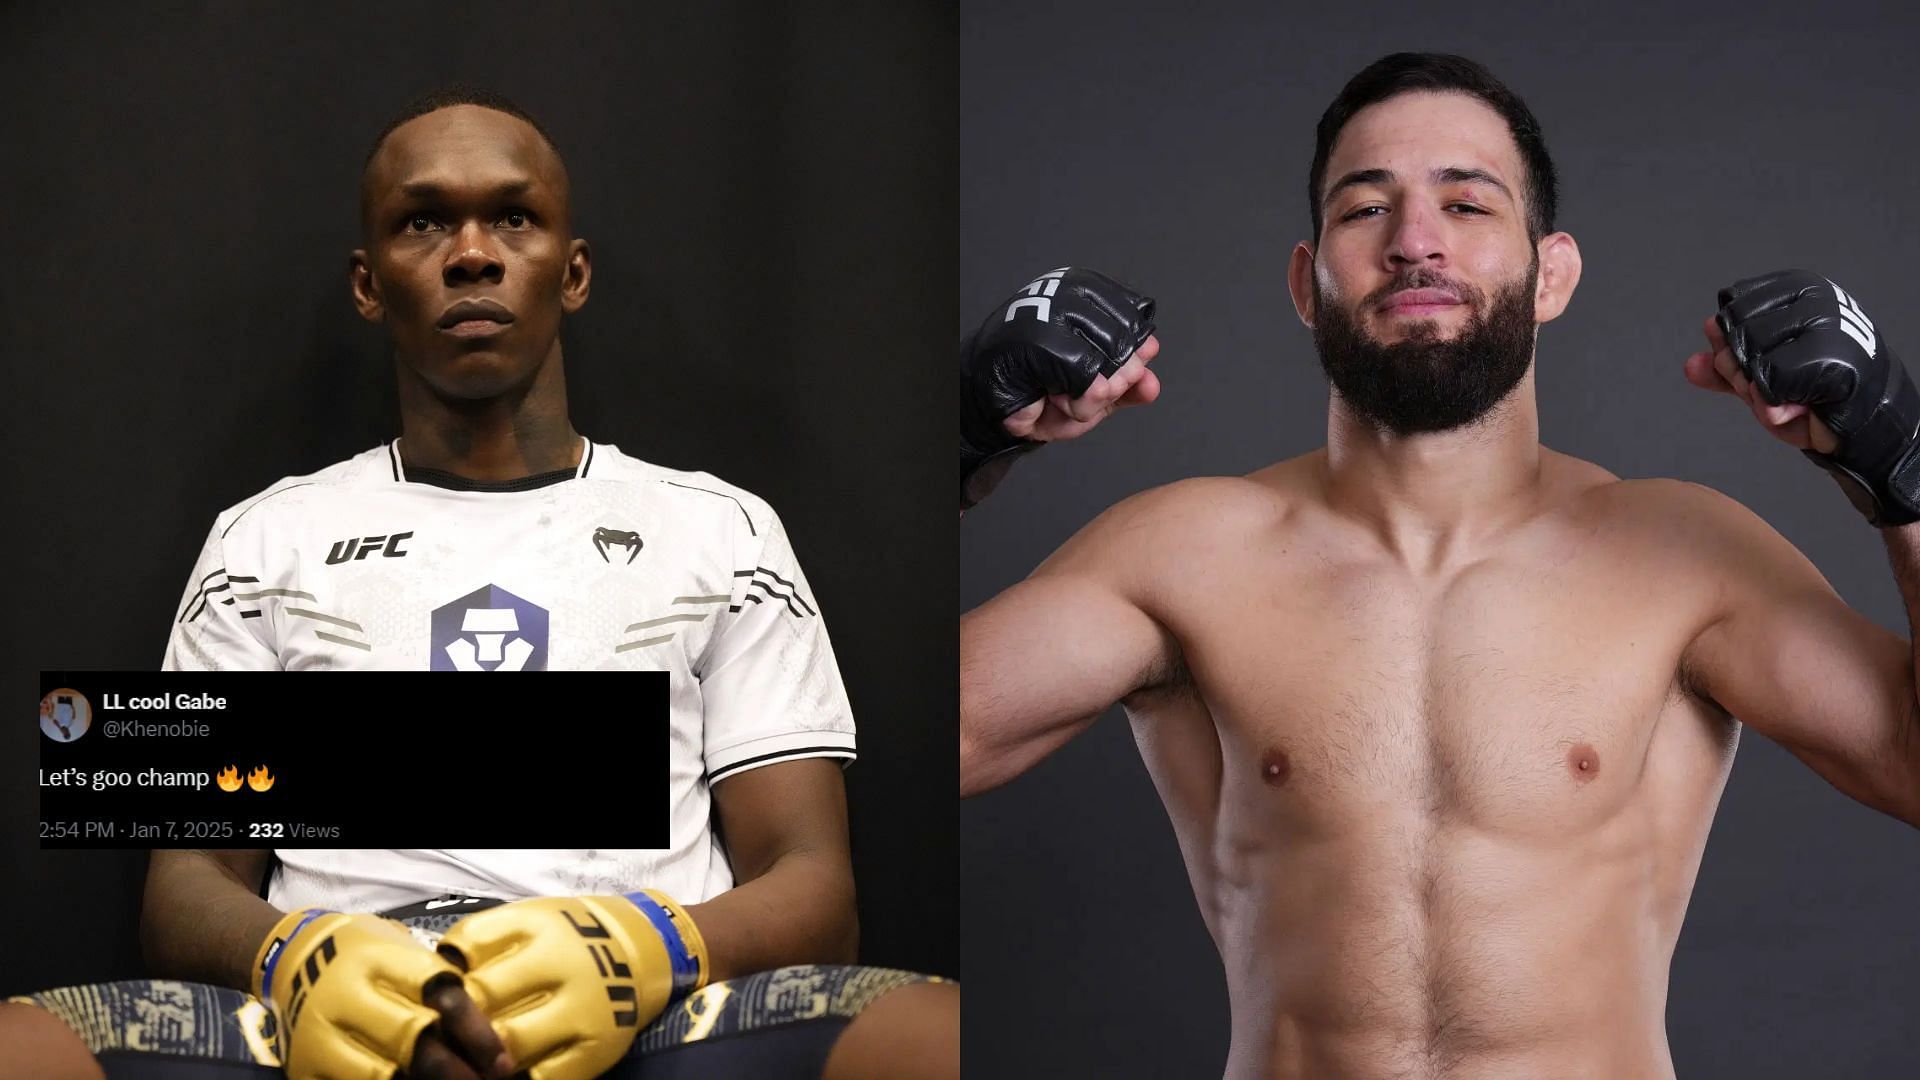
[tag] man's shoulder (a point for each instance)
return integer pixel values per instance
(1696, 528)
(289, 492)
(1671, 508)
(1195, 505)
(702, 495)
(1187, 518)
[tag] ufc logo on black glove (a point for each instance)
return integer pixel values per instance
(1083, 325)
(1036, 298)
(1853, 320)
(1800, 339)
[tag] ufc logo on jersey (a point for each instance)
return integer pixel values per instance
(1038, 295)
(387, 546)
(1854, 321)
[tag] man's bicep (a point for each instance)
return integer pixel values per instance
(1788, 657)
(1039, 663)
(780, 809)
(784, 827)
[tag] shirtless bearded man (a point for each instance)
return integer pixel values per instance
(1440, 716)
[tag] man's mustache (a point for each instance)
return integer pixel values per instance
(1424, 279)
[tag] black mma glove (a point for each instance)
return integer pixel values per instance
(1055, 336)
(1802, 340)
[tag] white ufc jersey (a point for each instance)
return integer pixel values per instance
(615, 564)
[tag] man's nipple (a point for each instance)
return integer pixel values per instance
(1275, 767)
(1583, 761)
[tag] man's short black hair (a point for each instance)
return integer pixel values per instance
(1402, 73)
(443, 98)
(456, 94)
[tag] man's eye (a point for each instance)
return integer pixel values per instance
(1363, 212)
(419, 223)
(515, 219)
(1467, 207)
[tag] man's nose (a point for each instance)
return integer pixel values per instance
(1417, 239)
(474, 258)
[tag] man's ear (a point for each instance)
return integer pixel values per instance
(1300, 281)
(1559, 276)
(579, 277)
(366, 291)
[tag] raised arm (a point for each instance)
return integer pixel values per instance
(1789, 658)
(1040, 661)
(1783, 652)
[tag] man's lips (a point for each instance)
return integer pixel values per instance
(475, 318)
(1419, 302)
(475, 328)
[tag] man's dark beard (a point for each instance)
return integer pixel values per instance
(1423, 383)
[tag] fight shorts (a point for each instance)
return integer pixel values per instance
(775, 1024)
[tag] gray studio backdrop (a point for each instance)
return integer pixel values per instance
(768, 190)
(1697, 145)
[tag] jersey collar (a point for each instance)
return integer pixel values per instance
(414, 474)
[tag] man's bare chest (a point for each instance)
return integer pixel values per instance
(1515, 696)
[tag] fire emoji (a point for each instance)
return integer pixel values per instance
(260, 779)
(228, 778)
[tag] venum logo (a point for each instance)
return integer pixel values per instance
(490, 629)
(604, 538)
(360, 548)
(1037, 297)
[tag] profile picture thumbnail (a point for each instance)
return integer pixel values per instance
(65, 715)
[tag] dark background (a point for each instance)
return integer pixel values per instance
(1698, 144)
(770, 198)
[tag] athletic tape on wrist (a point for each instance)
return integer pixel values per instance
(686, 966)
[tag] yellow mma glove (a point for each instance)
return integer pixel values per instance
(346, 992)
(569, 981)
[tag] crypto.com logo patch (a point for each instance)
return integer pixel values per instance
(490, 629)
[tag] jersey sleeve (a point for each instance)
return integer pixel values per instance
(212, 630)
(769, 686)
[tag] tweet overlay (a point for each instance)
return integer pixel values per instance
(402, 759)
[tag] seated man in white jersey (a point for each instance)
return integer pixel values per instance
(490, 536)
